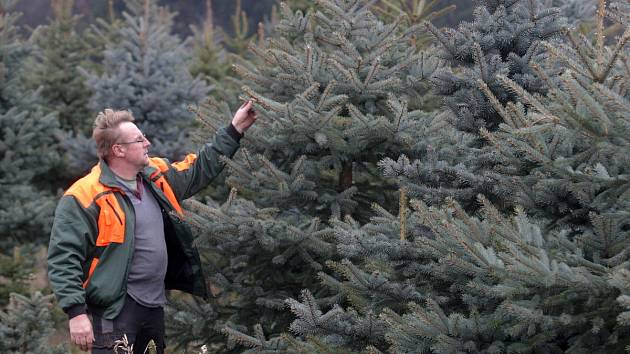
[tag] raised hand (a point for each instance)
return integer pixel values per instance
(244, 117)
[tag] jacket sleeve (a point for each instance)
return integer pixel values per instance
(72, 231)
(197, 171)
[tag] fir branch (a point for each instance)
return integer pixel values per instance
(250, 75)
(310, 92)
(308, 66)
(298, 166)
(595, 109)
(349, 77)
(355, 113)
(383, 87)
(262, 53)
(617, 102)
(385, 39)
(373, 70)
(623, 40)
(553, 92)
(248, 159)
(528, 98)
(441, 38)
(271, 168)
(235, 167)
(330, 115)
(601, 12)
(240, 338)
(266, 103)
(495, 102)
(324, 96)
(568, 61)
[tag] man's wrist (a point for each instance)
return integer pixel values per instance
(75, 310)
(231, 130)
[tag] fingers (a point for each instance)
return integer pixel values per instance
(90, 341)
(84, 342)
(245, 116)
(81, 332)
(245, 104)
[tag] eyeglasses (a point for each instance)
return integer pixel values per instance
(139, 140)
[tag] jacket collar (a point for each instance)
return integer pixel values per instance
(108, 177)
(149, 171)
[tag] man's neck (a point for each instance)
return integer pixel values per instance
(123, 171)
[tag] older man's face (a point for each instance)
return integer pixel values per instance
(133, 144)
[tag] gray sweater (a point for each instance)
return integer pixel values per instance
(145, 282)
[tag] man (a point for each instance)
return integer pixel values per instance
(117, 240)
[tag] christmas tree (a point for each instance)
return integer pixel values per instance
(58, 52)
(503, 38)
(27, 144)
(209, 57)
(332, 89)
(545, 278)
(568, 160)
(145, 71)
(25, 325)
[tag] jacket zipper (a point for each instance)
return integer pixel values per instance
(115, 212)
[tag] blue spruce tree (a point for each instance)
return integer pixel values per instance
(503, 38)
(27, 144)
(146, 71)
(26, 325)
(549, 278)
(333, 88)
(58, 52)
(567, 159)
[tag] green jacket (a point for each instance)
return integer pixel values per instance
(87, 265)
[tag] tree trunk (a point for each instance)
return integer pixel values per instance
(345, 176)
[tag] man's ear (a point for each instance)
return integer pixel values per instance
(118, 152)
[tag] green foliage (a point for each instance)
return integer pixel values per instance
(27, 145)
(103, 31)
(331, 89)
(466, 284)
(335, 95)
(16, 271)
(209, 57)
(414, 11)
(503, 38)
(215, 52)
(620, 11)
(517, 235)
(254, 259)
(258, 343)
(53, 67)
(192, 323)
(25, 325)
(145, 72)
(576, 137)
(523, 290)
(551, 277)
(238, 42)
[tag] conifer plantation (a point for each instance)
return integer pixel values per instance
(412, 184)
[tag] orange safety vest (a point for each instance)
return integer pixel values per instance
(111, 219)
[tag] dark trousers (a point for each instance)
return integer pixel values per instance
(139, 323)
